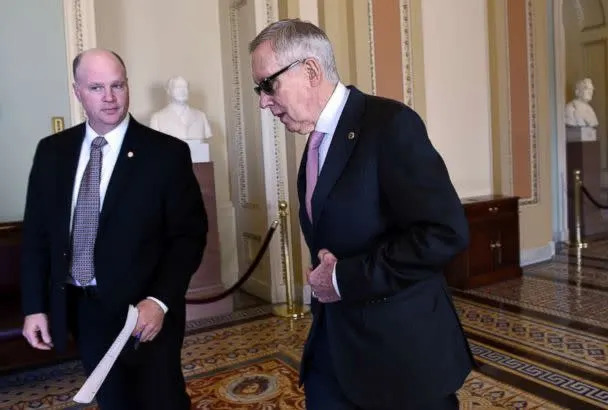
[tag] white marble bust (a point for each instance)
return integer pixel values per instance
(578, 111)
(178, 118)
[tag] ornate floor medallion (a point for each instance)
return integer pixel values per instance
(250, 388)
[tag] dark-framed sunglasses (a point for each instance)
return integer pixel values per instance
(267, 84)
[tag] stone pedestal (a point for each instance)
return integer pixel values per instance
(585, 156)
(207, 280)
(581, 134)
(199, 151)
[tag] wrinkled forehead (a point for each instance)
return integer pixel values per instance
(263, 62)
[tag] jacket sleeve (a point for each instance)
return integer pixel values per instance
(428, 225)
(35, 254)
(185, 233)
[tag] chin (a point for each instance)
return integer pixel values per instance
(297, 128)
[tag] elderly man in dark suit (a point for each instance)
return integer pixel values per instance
(114, 216)
(381, 219)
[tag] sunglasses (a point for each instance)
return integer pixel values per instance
(267, 84)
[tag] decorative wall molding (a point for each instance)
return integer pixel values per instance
(79, 17)
(372, 54)
(226, 213)
(506, 141)
(532, 108)
(406, 53)
(590, 16)
(238, 138)
(237, 4)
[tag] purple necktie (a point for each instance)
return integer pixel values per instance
(86, 217)
(312, 167)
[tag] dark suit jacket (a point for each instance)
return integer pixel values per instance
(385, 206)
(152, 226)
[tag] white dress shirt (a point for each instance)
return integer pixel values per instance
(327, 124)
(109, 155)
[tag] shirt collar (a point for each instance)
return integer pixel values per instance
(328, 120)
(114, 137)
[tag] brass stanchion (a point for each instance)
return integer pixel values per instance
(291, 308)
(578, 183)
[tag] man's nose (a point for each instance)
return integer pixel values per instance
(265, 100)
(108, 94)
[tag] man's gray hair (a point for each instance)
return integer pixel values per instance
(294, 39)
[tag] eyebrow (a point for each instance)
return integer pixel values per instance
(95, 84)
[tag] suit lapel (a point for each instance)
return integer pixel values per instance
(122, 169)
(68, 163)
(342, 144)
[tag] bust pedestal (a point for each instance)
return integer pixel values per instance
(583, 153)
(198, 150)
(207, 280)
(581, 134)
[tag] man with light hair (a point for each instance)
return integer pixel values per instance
(114, 217)
(381, 219)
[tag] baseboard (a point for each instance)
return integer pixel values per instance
(536, 255)
(561, 236)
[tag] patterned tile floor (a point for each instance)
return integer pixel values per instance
(541, 342)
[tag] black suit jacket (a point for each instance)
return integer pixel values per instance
(385, 206)
(152, 226)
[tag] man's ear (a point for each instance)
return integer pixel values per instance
(314, 71)
(76, 91)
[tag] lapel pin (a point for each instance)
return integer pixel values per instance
(130, 154)
(351, 135)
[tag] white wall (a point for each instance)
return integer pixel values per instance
(33, 88)
(159, 39)
(457, 87)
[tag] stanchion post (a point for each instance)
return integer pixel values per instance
(291, 308)
(578, 183)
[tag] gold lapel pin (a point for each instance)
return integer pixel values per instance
(351, 135)
(130, 154)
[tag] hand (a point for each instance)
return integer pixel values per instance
(320, 279)
(36, 331)
(150, 320)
